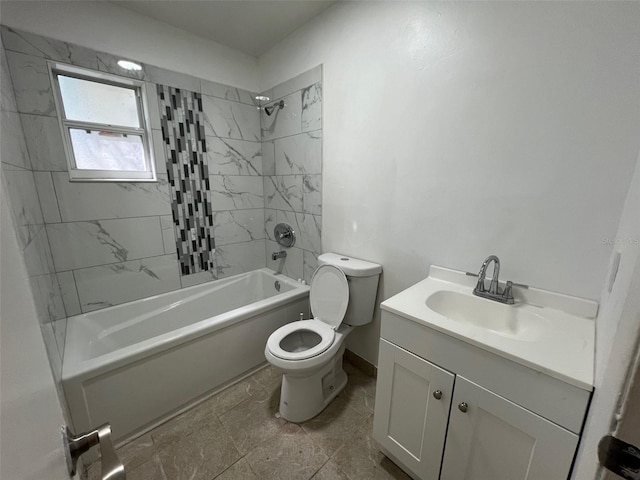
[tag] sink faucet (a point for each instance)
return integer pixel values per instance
(277, 255)
(493, 287)
(494, 293)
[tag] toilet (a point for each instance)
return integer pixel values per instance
(309, 352)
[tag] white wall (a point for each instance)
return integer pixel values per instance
(457, 130)
(109, 28)
(29, 410)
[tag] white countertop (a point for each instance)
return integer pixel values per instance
(562, 348)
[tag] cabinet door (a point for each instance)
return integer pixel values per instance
(496, 439)
(410, 422)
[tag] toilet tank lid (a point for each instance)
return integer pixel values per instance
(350, 266)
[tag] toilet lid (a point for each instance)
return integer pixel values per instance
(329, 295)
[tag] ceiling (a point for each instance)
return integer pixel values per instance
(252, 27)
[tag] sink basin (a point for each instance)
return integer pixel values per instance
(516, 321)
(549, 332)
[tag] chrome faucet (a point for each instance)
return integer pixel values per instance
(493, 287)
(494, 293)
(277, 255)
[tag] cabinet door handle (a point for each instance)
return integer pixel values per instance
(463, 407)
(437, 394)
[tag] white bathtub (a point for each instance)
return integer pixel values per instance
(134, 365)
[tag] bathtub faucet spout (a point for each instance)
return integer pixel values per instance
(277, 255)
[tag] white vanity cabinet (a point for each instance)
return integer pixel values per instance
(412, 409)
(491, 438)
(448, 410)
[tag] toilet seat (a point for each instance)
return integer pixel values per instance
(325, 332)
(329, 298)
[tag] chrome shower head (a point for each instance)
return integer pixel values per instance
(270, 109)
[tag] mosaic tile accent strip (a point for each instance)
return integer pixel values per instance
(182, 123)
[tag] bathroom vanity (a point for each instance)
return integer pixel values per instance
(471, 389)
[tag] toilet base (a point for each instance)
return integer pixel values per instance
(302, 397)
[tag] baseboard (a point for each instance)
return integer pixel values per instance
(362, 364)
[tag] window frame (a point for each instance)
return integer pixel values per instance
(144, 131)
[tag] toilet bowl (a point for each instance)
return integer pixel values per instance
(309, 352)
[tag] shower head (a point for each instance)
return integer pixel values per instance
(270, 109)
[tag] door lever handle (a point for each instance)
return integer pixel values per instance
(619, 457)
(76, 445)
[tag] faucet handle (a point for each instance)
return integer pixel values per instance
(508, 292)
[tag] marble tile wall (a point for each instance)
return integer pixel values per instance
(92, 245)
(292, 167)
(234, 157)
(20, 183)
(109, 243)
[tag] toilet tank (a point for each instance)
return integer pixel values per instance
(363, 286)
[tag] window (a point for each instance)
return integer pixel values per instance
(104, 125)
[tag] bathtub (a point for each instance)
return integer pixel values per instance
(137, 364)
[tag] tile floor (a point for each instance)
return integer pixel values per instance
(235, 435)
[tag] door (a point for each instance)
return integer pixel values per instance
(628, 430)
(412, 407)
(491, 438)
(30, 413)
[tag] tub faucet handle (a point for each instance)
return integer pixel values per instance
(284, 235)
(76, 445)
